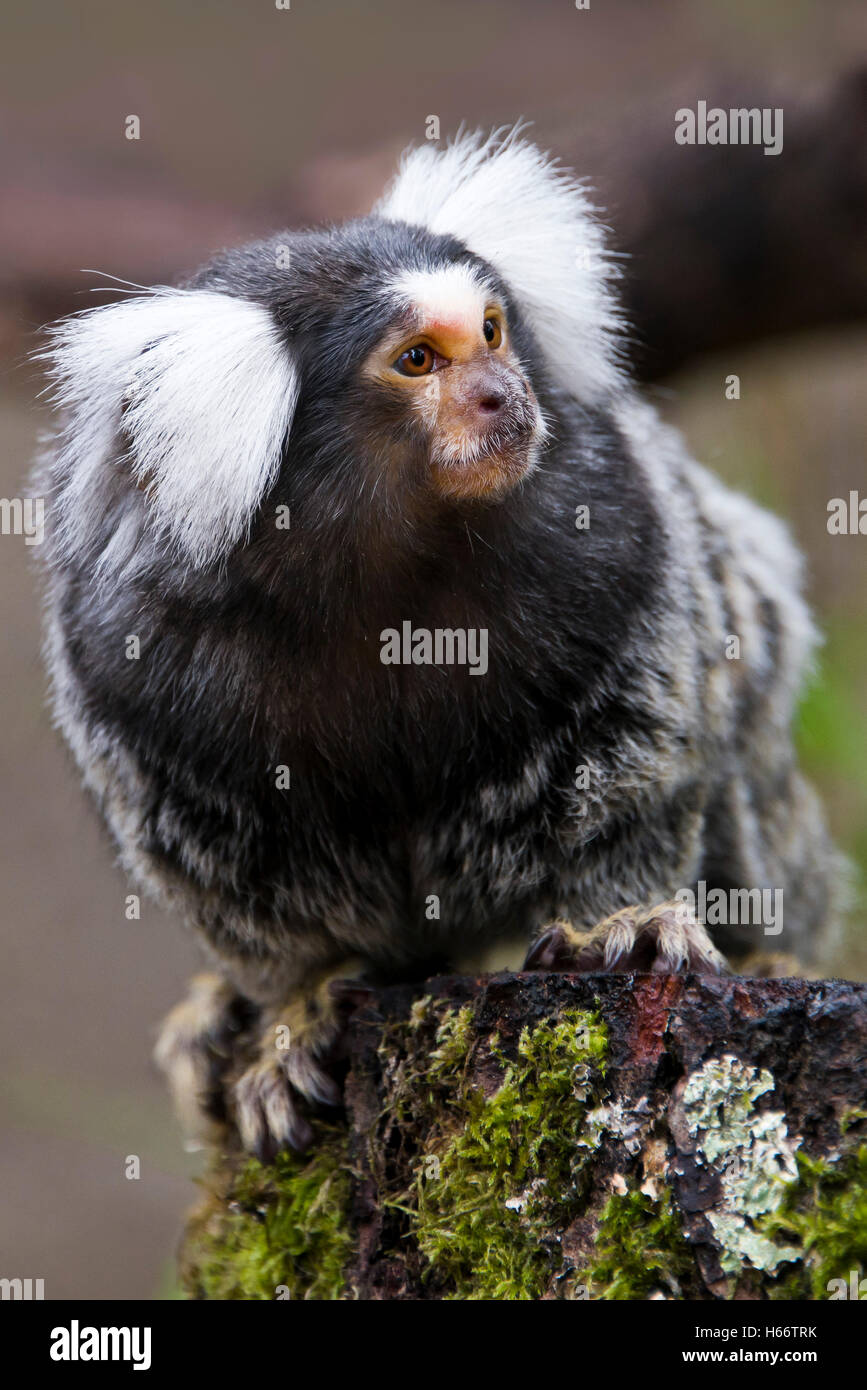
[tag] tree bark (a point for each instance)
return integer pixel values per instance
(562, 1136)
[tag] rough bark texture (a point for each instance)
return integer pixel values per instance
(563, 1136)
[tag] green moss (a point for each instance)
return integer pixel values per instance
(824, 1214)
(640, 1247)
(281, 1228)
(496, 1145)
(850, 1118)
(502, 1169)
(485, 1164)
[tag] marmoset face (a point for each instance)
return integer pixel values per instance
(367, 379)
(414, 370)
(448, 365)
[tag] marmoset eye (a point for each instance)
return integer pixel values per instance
(493, 332)
(416, 361)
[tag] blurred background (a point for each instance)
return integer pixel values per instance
(252, 117)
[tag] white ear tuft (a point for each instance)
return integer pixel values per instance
(513, 206)
(204, 389)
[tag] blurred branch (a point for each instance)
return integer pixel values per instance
(725, 244)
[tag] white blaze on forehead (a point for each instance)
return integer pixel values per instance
(533, 222)
(453, 296)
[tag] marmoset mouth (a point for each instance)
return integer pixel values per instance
(488, 465)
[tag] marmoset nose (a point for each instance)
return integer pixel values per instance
(491, 402)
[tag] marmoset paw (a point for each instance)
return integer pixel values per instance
(299, 1052)
(666, 939)
(196, 1045)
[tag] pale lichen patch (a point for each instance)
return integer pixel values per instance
(752, 1153)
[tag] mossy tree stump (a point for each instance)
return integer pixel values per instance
(564, 1136)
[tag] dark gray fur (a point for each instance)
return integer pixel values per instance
(606, 650)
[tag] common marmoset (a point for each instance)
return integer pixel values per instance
(289, 501)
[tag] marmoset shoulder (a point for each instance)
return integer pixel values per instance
(448, 655)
